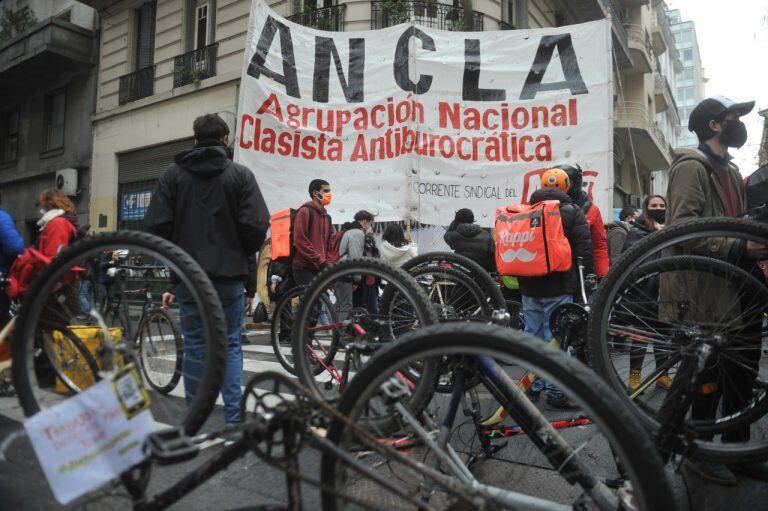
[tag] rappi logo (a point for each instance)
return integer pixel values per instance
(509, 240)
(532, 182)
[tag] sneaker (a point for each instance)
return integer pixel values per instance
(533, 395)
(561, 403)
(634, 380)
(664, 381)
(716, 473)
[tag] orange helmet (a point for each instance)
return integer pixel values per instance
(555, 178)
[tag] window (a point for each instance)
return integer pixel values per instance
(9, 135)
(688, 56)
(201, 26)
(54, 121)
(687, 36)
(690, 94)
(145, 35)
(678, 38)
(688, 75)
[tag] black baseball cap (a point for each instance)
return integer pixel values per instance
(715, 109)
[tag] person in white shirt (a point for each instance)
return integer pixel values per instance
(396, 249)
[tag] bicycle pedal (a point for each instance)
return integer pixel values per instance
(170, 446)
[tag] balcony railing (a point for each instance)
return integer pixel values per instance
(637, 114)
(137, 85)
(194, 66)
(429, 13)
(326, 18)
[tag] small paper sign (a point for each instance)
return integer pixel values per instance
(87, 440)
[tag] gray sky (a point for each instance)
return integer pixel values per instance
(733, 40)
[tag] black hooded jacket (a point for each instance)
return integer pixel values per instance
(212, 208)
(576, 229)
(472, 241)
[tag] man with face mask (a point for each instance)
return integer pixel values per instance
(312, 234)
(703, 182)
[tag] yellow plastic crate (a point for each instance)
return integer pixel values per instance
(67, 355)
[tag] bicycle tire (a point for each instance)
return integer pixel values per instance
(277, 324)
(178, 344)
(457, 275)
(477, 272)
(606, 292)
(395, 277)
(638, 452)
(187, 269)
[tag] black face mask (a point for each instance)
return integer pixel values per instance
(657, 215)
(734, 134)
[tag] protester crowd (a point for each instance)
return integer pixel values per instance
(213, 208)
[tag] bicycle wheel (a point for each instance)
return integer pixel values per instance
(161, 350)
(476, 272)
(361, 332)
(437, 460)
(283, 319)
(453, 293)
(676, 291)
(51, 307)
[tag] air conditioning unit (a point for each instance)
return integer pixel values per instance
(66, 181)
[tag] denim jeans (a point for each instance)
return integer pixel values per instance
(86, 296)
(232, 296)
(536, 312)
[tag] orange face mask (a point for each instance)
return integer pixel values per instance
(326, 199)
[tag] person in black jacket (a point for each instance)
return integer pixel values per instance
(541, 295)
(212, 208)
(645, 310)
(468, 239)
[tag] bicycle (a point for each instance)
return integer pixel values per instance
(283, 318)
(49, 312)
(360, 333)
(711, 328)
(433, 463)
(157, 338)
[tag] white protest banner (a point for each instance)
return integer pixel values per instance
(87, 440)
(414, 122)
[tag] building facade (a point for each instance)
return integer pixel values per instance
(164, 63)
(47, 91)
(762, 154)
(690, 81)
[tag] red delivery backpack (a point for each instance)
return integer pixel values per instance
(281, 229)
(530, 241)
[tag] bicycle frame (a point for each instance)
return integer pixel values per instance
(531, 422)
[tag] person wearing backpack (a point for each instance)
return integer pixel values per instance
(540, 244)
(594, 218)
(313, 235)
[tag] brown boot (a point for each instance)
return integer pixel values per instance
(664, 381)
(634, 380)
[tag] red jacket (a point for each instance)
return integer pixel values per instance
(312, 237)
(599, 242)
(57, 233)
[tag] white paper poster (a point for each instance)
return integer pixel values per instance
(87, 440)
(414, 122)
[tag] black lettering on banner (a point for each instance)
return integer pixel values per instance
(571, 71)
(471, 85)
(256, 68)
(402, 55)
(353, 89)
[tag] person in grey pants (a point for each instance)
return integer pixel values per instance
(351, 247)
